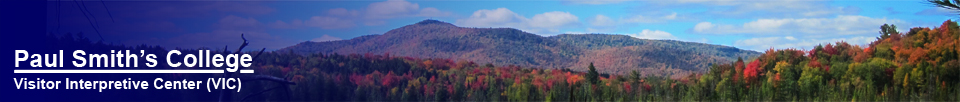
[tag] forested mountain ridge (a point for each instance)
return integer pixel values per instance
(921, 64)
(620, 52)
(616, 54)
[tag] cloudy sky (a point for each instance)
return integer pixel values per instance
(748, 24)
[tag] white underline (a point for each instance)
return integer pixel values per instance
(128, 71)
(246, 71)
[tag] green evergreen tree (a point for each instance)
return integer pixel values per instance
(593, 76)
(886, 30)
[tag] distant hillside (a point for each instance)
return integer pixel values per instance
(621, 53)
(507, 46)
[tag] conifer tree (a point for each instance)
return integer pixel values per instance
(634, 75)
(592, 75)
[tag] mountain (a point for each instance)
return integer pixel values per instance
(616, 54)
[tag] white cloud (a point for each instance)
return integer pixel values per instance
(400, 8)
(374, 14)
(496, 17)
(325, 22)
(391, 8)
(671, 16)
(755, 8)
(648, 19)
(790, 38)
(640, 19)
(593, 2)
(374, 22)
(600, 30)
(433, 12)
(840, 25)
(603, 24)
(653, 34)
(553, 19)
(936, 11)
(763, 43)
(702, 27)
(295, 23)
(325, 38)
(601, 20)
(343, 12)
(544, 24)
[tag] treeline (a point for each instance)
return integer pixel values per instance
(614, 53)
(371, 77)
(918, 65)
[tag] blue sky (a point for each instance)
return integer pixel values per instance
(747, 24)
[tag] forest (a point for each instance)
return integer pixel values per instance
(918, 65)
(613, 53)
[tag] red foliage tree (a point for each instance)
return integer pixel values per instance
(917, 55)
(388, 80)
(646, 87)
(738, 66)
(751, 71)
(829, 49)
(627, 87)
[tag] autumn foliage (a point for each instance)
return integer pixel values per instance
(918, 65)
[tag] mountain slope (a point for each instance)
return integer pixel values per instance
(508, 46)
(621, 53)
